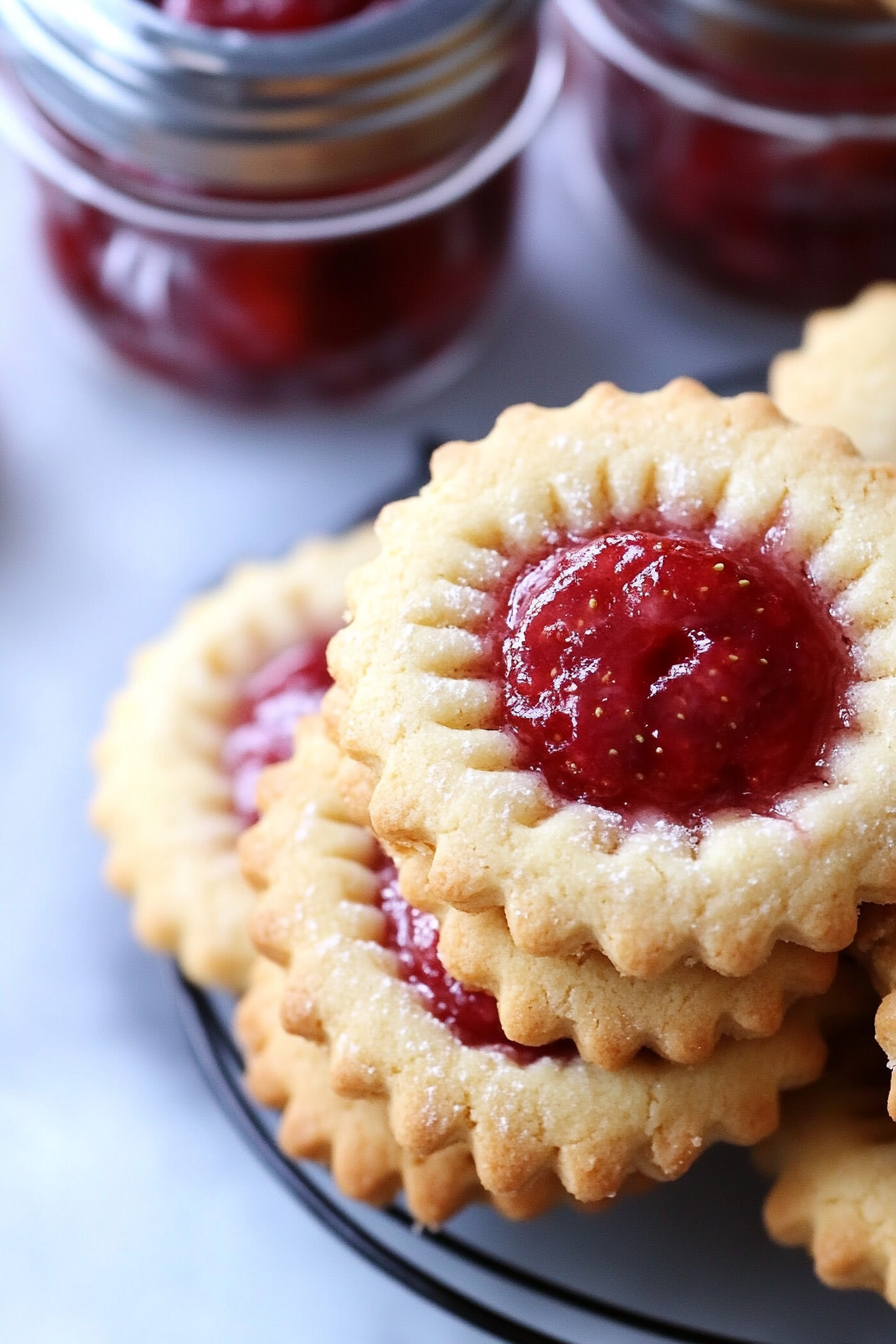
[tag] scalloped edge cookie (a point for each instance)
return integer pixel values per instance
(834, 1157)
(594, 1129)
(415, 698)
(162, 798)
(875, 948)
(353, 1138)
(844, 373)
(681, 1015)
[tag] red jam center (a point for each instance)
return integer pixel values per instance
(470, 1015)
(286, 689)
(645, 672)
(263, 16)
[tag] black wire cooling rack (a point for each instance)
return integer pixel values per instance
(218, 1056)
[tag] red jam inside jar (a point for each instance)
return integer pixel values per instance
(242, 321)
(654, 673)
(262, 16)
(470, 1014)
(794, 218)
(319, 213)
(286, 689)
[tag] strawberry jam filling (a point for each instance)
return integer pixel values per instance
(647, 672)
(470, 1014)
(284, 690)
(262, 16)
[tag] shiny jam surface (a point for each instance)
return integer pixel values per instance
(262, 16)
(651, 673)
(284, 690)
(470, 1014)
(792, 221)
(250, 321)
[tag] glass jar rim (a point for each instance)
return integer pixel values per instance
(145, 37)
(686, 90)
(369, 98)
(284, 222)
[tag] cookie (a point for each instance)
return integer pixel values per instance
(364, 978)
(171, 809)
(834, 1157)
(353, 1138)
(844, 373)
(875, 947)
(680, 1015)
(625, 670)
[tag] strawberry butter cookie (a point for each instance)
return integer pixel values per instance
(353, 1137)
(206, 707)
(680, 1015)
(625, 671)
(364, 978)
(844, 373)
(875, 949)
(834, 1159)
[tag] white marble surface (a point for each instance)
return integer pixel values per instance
(129, 1210)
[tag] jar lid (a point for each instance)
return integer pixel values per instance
(393, 91)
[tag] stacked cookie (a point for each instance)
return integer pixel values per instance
(208, 707)
(835, 1153)
(554, 885)
(169, 801)
(598, 792)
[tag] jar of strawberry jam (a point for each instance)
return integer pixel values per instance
(752, 144)
(320, 199)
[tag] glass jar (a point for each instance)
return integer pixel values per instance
(327, 211)
(756, 146)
